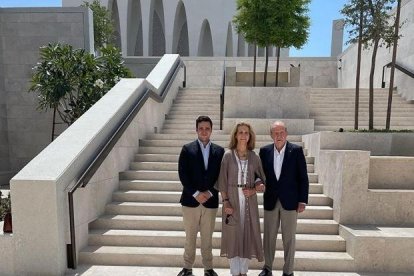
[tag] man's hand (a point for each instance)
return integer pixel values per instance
(201, 197)
(260, 187)
(301, 207)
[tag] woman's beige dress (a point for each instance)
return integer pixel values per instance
(240, 240)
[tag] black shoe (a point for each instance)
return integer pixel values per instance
(210, 272)
(186, 272)
(265, 272)
(284, 274)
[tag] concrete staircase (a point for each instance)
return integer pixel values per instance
(334, 108)
(143, 225)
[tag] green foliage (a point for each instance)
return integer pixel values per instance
(377, 23)
(72, 80)
(273, 22)
(5, 206)
(103, 25)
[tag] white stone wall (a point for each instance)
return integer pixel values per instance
(186, 27)
(25, 131)
(405, 57)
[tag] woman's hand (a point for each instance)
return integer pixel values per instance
(249, 192)
(228, 209)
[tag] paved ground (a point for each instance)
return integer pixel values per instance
(168, 271)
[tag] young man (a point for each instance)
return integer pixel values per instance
(286, 195)
(198, 168)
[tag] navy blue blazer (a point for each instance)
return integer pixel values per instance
(193, 175)
(293, 184)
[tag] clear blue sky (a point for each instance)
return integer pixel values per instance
(322, 12)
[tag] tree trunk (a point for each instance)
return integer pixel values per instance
(54, 122)
(277, 66)
(266, 65)
(394, 57)
(371, 86)
(254, 65)
(358, 72)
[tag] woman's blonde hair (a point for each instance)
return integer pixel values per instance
(233, 140)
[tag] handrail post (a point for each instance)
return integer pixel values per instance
(383, 76)
(185, 76)
(223, 84)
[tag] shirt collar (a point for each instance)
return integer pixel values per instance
(202, 145)
(282, 151)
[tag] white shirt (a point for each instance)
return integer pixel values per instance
(278, 160)
(205, 150)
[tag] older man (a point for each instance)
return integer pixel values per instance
(286, 195)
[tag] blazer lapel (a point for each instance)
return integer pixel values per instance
(271, 159)
(288, 151)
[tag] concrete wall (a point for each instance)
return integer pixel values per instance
(391, 172)
(345, 177)
(266, 102)
(24, 131)
(405, 57)
(140, 66)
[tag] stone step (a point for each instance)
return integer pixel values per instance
(163, 271)
(362, 106)
(194, 113)
(214, 137)
(200, 104)
(150, 256)
(158, 238)
(174, 185)
(188, 117)
(175, 223)
(200, 100)
(173, 166)
(177, 150)
(172, 175)
(174, 197)
(350, 114)
(198, 108)
(180, 143)
(174, 209)
(186, 120)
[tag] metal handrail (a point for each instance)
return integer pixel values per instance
(223, 84)
(397, 66)
(105, 150)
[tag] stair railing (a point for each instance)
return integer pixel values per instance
(397, 66)
(223, 85)
(105, 150)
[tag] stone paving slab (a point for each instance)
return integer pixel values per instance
(86, 270)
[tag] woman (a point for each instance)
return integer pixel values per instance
(241, 175)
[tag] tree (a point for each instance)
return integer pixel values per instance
(394, 57)
(290, 25)
(376, 32)
(357, 23)
(246, 22)
(103, 25)
(70, 81)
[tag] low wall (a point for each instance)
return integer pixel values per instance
(345, 178)
(140, 66)
(262, 126)
(386, 172)
(380, 249)
(267, 102)
(379, 144)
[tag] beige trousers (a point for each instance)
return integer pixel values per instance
(288, 222)
(198, 219)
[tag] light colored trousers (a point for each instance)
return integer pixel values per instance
(288, 221)
(198, 219)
